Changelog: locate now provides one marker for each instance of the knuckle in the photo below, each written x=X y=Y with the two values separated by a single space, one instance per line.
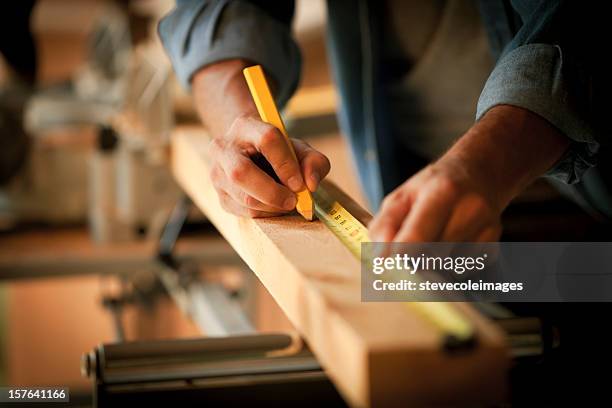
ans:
x=241 y=126
x=215 y=176
x=224 y=201
x=249 y=201
x=396 y=196
x=241 y=120
x=375 y=226
x=278 y=201
x=479 y=204
x=238 y=123
x=379 y=220
x=274 y=197
x=285 y=167
x=216 y=145
x=269 y=137
x=238 y=172
x=492 y=233
x=251 y=213
x=224 y=205
x=447 y=185
x=388 y=200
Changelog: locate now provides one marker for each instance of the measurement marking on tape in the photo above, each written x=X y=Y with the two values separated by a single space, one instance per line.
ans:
x=341 y=222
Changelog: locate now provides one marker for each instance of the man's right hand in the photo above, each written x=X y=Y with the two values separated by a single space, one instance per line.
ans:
x=226 y=107
x=243 y=187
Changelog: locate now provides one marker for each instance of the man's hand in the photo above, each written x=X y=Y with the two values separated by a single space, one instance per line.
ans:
x=226 y=107
x=245 y=189
x=437 y=204
x=461 y=196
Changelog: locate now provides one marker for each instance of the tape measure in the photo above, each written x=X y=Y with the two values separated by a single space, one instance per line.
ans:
x=457 y=331
x=341 y=222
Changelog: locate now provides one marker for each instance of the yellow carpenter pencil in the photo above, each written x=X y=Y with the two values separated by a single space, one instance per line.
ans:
x=269 y=113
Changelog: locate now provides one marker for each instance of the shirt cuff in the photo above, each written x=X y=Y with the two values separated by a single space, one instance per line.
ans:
x=533 y=77
x=198 y=35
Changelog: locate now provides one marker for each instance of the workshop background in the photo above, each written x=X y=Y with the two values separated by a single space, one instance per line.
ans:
x=81 y=215
x=80 y=218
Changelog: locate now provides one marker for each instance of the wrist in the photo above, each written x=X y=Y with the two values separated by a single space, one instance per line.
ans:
x=504 y=152
x=221 y=95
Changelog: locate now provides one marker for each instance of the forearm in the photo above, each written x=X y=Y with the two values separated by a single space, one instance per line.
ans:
x=221 y=95
x=461 y=196
x=506 y=150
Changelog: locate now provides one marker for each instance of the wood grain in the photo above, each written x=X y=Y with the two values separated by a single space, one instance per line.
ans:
x=377 y=354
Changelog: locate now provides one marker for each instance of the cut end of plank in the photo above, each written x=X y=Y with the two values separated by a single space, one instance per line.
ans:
x=305 y=205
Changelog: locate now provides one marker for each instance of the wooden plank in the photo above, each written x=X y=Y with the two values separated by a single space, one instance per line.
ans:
x=377 y=354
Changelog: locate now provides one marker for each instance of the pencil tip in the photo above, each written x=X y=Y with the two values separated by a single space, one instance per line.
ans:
x=308 y=215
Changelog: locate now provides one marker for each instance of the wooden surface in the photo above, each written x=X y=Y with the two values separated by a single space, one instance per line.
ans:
x=377 y=354
x=69 y=251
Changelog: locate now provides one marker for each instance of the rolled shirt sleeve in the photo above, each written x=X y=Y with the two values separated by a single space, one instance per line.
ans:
x=551 y=64
x=199 y=33
x=533 y=77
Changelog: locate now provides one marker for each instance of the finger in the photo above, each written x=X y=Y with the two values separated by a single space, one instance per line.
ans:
x=469 y=217
x=395 y=207
x=222 y=185
x=429 y=213
x=273 y=145
x=245 y=200
x=231 y=206
x=245 y=174
x=489 y=234
x=314 y=164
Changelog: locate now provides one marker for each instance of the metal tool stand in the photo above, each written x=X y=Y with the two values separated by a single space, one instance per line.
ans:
x=210 y=306
x=231 y=371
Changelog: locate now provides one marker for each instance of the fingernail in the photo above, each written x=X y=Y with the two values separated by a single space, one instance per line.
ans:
x=315 y=178
x=290 y=203
x=295 y=183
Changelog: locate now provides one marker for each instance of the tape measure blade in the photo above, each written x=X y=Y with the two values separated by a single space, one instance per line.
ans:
x=352 y=233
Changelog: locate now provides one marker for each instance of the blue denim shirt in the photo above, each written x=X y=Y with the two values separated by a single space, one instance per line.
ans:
x=542 y=65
